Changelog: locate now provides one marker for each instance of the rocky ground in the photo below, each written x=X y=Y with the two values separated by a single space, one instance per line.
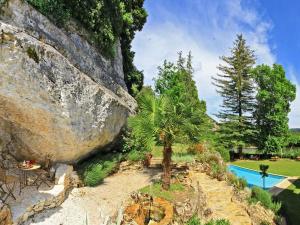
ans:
x=94 y=203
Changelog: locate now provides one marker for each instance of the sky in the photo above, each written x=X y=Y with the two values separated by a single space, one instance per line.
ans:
x=208 y=28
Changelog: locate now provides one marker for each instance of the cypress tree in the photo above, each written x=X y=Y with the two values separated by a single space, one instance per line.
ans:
x=236 y=86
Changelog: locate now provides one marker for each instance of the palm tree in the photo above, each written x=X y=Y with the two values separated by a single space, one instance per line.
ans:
x=264 y=173
x=160 y=118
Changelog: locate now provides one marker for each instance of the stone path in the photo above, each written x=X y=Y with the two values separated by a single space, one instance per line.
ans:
x=88 y=202
x=278 y=188
x=219 y=199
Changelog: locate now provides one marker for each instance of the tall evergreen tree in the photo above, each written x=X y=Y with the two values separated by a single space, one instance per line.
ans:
x=236 y=87
x=274 y=94
x=176 y=81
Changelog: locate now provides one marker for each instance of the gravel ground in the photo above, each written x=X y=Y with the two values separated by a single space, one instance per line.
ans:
x=89 y=203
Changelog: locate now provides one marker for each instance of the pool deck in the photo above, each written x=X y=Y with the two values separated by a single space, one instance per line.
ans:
x=282 y=185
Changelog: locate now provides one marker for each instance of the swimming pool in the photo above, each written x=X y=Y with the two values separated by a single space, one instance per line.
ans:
x=253 y=177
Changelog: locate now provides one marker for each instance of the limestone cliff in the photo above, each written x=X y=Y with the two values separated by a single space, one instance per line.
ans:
x=58 y=95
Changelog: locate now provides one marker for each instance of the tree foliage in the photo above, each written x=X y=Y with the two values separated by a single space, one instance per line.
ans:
x=274 y=95
x=235 y=85
x=107 y=21
x=173 y=113
x=176 y=81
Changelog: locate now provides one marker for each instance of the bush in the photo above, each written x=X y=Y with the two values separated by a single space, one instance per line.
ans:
x=265 y=198
x=194 y=220
x=94 y=170
x=237 y=182
x=217 y=168
x=55 y=9
x=197 y=148
x=218 y=222
x=224 y=153
x=136 y=156
x=134 y=147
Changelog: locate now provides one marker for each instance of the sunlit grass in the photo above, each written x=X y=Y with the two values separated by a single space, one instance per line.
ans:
x=156 y=190
x=286 y=167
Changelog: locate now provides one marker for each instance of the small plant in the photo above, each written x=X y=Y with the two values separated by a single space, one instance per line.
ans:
x=265 y=198
x=197 y=149
x=194 y=220
x=94 y=170
x=238 y=183
x=31 y=52
x=218 y=222
x=265 y=223
x=263 y=173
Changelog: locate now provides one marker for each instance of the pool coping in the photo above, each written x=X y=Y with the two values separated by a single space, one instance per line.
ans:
x=281 y=186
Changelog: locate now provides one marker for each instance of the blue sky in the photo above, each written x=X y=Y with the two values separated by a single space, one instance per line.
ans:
x=208 y=28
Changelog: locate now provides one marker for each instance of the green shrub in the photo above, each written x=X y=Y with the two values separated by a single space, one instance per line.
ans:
x=265 y=198
x=237 y=182
x=224 y=153
x=55 y=9
x=134 y=146
x=136 y=156
x=31 y=52
x=218 y=222
x=265 y=223
x=94 y=170
x=198 y=148
x=194 y=220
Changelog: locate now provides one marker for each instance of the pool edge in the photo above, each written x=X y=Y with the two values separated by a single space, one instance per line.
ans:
x=228 y=164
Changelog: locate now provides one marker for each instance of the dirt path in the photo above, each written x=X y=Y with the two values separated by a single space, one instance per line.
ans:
x=87 y=202
x=219 y=198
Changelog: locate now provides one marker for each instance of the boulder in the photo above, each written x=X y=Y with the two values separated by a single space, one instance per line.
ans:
x=58 y=95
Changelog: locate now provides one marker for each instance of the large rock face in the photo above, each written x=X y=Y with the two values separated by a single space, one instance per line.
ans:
x=58 y=95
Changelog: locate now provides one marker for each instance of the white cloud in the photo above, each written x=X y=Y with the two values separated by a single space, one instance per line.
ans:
x=209 y=33
x=294 y=115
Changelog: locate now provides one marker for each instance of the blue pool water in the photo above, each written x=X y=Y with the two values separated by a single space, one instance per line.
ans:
x=253 y=177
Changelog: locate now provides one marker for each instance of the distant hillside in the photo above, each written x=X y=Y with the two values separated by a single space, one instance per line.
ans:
x=295 y=130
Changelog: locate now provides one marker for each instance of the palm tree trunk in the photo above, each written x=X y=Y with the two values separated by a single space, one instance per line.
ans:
x=167 y=154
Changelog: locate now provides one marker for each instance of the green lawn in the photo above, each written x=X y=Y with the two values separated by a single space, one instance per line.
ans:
x=290 y=199
x=284 y=167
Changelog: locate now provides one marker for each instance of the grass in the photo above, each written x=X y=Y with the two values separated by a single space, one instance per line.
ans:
x=180 y=153
x=290 y=199
x=95 y=169
x=177 y=149
x=286 y=167
x=156 y=190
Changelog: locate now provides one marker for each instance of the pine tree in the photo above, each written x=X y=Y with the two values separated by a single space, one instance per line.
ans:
x=236 y=87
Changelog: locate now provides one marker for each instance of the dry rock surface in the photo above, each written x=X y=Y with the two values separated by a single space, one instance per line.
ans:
x=95 y=204
x=222 y=202
x=58 y=95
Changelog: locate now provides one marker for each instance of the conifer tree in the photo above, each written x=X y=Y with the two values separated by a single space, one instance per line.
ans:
x=236 y=86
